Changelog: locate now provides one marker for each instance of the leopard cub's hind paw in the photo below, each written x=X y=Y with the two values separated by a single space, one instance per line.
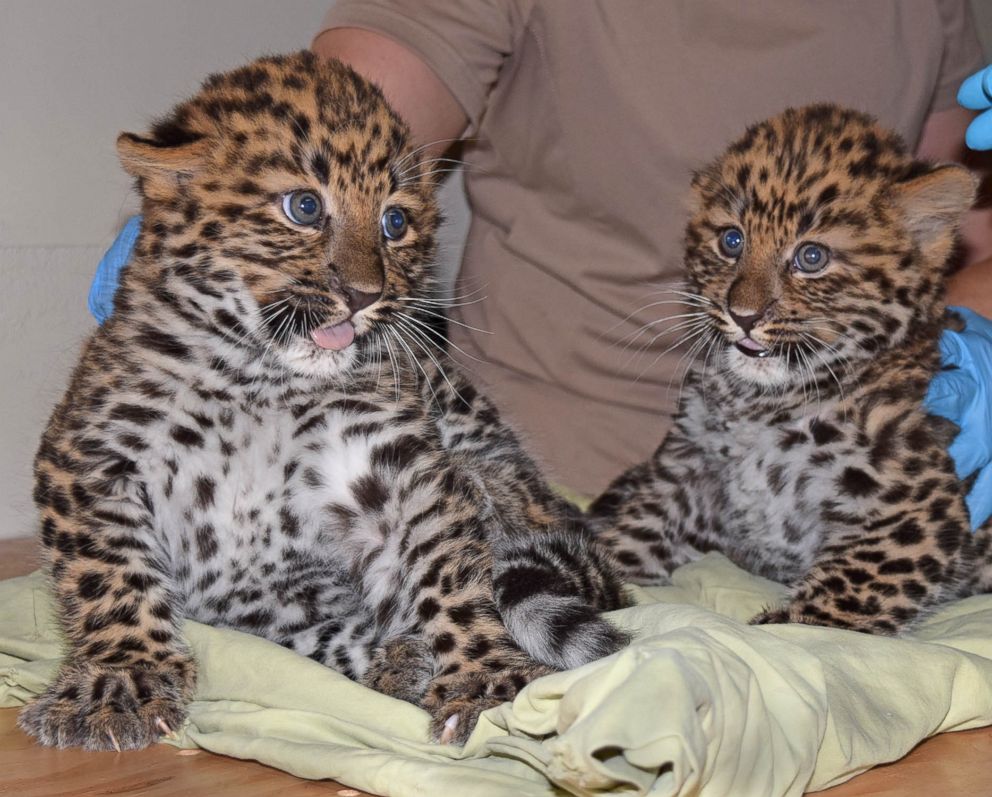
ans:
x=401 y=667
x=456 y=701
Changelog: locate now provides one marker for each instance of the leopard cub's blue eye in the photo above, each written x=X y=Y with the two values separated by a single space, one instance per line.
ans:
x=394 y=223
x=810 y=258
x=303 y=207
x=731 y=242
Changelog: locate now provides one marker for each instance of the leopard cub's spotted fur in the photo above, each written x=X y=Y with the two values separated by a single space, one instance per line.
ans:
x=259 y=438
x=816 y=254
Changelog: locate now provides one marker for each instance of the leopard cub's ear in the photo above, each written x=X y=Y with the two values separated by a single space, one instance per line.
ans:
x=933 y=202
x=160 y=168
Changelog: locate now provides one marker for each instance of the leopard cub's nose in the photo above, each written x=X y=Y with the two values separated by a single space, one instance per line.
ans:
x=359 y=300
x=745 y=319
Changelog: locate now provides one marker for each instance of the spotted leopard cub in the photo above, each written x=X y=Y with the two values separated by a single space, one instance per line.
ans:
x=260 y=437
x=816 y=256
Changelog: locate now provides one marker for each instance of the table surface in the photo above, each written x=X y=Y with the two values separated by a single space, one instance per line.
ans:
x=948 y=765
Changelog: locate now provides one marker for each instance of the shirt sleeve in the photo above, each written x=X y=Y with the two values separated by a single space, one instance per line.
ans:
x=962 y=51
x=464 y=42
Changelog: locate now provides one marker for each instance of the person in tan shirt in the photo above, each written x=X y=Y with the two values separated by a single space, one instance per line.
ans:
x=582 y=123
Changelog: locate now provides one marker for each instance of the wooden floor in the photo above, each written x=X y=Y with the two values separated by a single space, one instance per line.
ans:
x=950 y=765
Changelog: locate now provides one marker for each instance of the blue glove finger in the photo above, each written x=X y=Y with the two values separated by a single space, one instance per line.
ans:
x=964 y=395
x=972 y=449
x=108 y=273
x=975 y=322
x=950 y=395
x=976 y=91
x=979 y=500
x=978 y=136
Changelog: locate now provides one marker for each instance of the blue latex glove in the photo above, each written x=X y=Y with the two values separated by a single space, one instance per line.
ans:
x=976 y=94
x=964 y=395
x=108 y=273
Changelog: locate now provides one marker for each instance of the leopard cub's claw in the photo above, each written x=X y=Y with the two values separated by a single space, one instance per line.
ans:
x=450 y=729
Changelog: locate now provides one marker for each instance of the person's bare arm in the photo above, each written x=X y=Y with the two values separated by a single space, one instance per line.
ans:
x=412 y=88
x=943 y=140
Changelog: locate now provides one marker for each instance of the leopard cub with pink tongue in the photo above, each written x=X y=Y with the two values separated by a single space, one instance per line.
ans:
x=261 y=437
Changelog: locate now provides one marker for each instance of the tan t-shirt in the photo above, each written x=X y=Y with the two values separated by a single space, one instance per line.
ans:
x=587 y=119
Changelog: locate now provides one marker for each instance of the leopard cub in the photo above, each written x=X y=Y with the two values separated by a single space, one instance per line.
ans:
x=261 y=438
x=816 y=255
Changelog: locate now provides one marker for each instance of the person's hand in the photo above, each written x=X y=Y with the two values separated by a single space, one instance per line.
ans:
x=962 y=392
x=976 y=94
x=108 y=273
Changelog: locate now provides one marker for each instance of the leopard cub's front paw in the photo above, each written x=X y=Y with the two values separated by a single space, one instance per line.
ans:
x=105 y=708
x=771 y=617
x=795 y=612
x=805 y=613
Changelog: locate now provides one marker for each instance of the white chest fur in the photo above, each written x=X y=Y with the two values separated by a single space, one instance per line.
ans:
x=255 y=491
x=770 y=488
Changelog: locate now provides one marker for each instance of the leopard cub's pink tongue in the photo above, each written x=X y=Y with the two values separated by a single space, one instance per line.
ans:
x=750 y=345
x=337 y=337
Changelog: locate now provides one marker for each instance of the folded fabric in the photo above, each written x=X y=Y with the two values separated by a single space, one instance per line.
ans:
x=699 y=704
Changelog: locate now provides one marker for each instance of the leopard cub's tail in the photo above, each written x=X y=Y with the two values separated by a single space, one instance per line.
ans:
x=550 y=587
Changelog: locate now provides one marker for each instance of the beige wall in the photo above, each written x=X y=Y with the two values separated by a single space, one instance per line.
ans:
x=72 y=75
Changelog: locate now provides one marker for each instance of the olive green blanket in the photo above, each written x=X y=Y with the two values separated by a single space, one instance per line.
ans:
x=699 y=704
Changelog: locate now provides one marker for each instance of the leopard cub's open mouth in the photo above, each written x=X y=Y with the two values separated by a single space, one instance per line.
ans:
x=751 y=348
